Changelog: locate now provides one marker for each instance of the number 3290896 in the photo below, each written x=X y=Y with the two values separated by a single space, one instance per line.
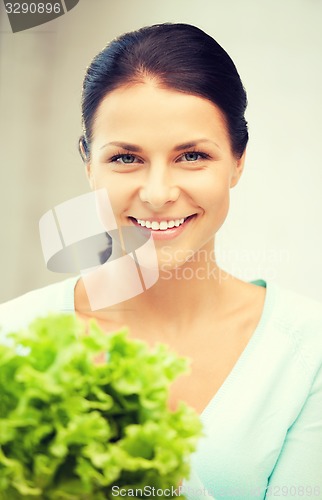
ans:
x=33 y=8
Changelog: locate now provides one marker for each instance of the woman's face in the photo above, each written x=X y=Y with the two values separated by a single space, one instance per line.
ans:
x=165 y=160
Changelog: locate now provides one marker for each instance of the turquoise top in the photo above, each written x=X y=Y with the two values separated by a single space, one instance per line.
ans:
x=263 y=428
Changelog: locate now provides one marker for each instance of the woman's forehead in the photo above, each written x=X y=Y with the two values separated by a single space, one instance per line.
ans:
x=145 y=110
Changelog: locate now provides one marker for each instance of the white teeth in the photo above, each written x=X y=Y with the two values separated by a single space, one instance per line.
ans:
x=160 y=226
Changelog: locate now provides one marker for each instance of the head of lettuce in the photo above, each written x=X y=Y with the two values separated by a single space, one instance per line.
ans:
x=72 y=428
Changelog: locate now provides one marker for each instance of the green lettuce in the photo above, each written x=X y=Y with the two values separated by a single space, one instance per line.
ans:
x=73 y=426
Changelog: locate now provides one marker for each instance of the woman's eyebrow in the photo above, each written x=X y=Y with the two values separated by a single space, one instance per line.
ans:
x=124 y=145
x=192 y=144
x=179 y=147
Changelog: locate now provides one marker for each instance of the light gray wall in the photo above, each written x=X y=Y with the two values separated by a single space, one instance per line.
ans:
x=274 y=227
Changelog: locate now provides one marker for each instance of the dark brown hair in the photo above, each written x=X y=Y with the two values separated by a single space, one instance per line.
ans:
x=181 y=57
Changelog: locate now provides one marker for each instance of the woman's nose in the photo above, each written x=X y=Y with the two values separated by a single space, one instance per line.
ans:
x=159 y=188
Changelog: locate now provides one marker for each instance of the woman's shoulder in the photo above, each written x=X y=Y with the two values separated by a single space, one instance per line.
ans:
x=19 y=312
x=300 y=318
x=297 y=310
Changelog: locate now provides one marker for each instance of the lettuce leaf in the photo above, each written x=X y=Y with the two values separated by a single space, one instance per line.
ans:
x=72 y=428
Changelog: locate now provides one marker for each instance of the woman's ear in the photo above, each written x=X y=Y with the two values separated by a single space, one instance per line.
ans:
x=83 y=150
x=237 y=170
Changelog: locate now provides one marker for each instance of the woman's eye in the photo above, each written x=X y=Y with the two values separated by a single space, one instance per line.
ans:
x=125 y=159
x=191 y=156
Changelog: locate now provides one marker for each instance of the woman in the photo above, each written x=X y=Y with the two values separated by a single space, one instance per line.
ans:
x=165 y=137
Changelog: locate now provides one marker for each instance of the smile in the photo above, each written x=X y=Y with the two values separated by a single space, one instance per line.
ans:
x=163 y=229
x=161 y=225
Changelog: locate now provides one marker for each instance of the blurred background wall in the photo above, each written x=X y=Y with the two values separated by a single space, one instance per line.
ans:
x=274 y=227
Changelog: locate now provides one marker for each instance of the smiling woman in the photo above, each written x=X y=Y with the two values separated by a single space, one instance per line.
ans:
x=176 y=182
x=165 y=137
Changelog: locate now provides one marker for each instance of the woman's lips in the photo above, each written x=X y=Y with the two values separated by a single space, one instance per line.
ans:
x=165 y=234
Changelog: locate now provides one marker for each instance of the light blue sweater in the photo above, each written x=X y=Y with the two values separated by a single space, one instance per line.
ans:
x=263 y=428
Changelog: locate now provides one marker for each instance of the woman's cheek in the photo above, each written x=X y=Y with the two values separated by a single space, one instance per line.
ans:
x=115 y=191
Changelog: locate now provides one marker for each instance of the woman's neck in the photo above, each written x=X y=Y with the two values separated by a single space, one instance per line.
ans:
x=178 y=300
x=183 y=293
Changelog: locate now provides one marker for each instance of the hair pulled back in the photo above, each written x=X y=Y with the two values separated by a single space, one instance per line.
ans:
x=180 y=57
